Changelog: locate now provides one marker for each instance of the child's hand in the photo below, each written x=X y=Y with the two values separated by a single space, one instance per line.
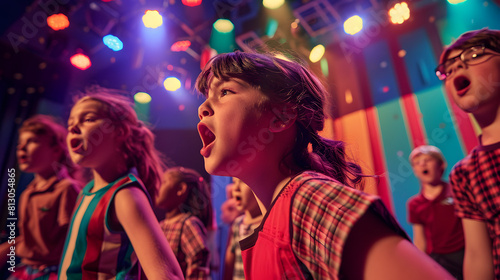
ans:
x=229 y=211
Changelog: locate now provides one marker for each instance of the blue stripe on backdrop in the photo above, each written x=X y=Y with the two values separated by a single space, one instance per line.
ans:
x=435 y=114
x=381 y=73
x=396 y=147
x=394 y=134
x=419 y=60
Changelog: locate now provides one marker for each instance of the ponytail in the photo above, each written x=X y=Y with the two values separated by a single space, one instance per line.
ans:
x=327 y=157
x=332 y=161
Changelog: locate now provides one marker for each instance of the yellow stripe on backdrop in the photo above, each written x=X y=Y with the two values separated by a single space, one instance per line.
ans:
x=353 y=130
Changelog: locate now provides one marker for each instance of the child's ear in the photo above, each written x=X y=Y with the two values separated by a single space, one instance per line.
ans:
x=283 y=118
x=121 y=132
x=182 y=189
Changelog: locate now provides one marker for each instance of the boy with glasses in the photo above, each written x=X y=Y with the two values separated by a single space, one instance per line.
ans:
x=470 y=70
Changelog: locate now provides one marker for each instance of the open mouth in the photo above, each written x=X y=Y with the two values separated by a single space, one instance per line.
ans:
x=207 y=136
x=425 y=172
x=461 y=83
x=76 y=144
x=22 y=159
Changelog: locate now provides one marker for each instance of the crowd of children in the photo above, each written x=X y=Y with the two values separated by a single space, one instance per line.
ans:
x=296 y=209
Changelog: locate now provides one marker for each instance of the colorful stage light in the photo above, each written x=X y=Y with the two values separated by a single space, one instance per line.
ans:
x=180 y=46
x=172 y=84
x=191 y=3
x=223 y=25
x=317 y=53
x=142 y=97
x=152 y=19
x=456 y=1
x=206 y=55
x=271 y=27
x=112 y=42
x=222 y=38
x=58 y=21
x=80 y=61
x=399 y=13
x=353 y=25
x=273 y=4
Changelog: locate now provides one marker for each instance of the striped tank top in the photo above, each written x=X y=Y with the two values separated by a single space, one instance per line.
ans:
x=92 y=249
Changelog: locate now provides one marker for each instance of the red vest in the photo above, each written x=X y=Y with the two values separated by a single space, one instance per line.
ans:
x=272 y=257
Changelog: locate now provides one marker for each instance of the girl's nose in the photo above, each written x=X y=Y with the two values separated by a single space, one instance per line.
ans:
x=205 y=110
x=74 y=129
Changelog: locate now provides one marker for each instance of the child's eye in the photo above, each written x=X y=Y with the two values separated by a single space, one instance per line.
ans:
x=225 y=92
x=89 y=119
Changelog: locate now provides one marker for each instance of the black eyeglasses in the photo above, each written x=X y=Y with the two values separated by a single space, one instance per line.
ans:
x=471 y=56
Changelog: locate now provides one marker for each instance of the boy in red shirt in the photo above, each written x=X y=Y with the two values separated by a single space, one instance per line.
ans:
x=436 y=229
x=470 y=69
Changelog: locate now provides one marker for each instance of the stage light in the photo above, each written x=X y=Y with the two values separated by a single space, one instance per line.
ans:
x=222 y=38
x=353 y=25
x=273 y=4
x=223 y=25
x=191 y=3
x=180 y=46
x=80 y=61
x=324 y=67
x=271 y=27
x=172 y=84
x=348 y=96
x=317 y=53
x=152 y=19
x=112 y=42
x=456 y=1
x=58 y=21
x=399 y=13
x=142 y=97
x=206 y=55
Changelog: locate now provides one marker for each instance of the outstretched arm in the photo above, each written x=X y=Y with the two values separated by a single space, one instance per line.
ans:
x=136 y=216
x=374 y=251
x=478 y=260
x=419 y=237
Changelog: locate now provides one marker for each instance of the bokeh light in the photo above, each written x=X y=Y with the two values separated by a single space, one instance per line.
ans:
x=317 y=53
x=142 y=97
x=172 y=84
x=353 y=25
x=112 y=42
x=152 y=19
x=80 y=61
x=58 y=21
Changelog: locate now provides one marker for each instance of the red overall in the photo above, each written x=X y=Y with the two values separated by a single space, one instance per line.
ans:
x=274 y=249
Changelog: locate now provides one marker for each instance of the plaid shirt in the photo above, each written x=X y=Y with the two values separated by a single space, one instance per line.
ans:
x=187 y=238
x=323 y=213
x=240 y=231
x=476 y=187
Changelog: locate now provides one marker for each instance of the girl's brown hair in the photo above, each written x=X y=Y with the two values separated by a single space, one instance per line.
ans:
x=199 y=197
x=138 y=147
x=291 y=84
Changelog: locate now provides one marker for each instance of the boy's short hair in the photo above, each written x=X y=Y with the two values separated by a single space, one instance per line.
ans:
x=433 y=151
x=486 y=37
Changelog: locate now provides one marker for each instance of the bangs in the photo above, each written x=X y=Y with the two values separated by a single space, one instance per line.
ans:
x=249 y=67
